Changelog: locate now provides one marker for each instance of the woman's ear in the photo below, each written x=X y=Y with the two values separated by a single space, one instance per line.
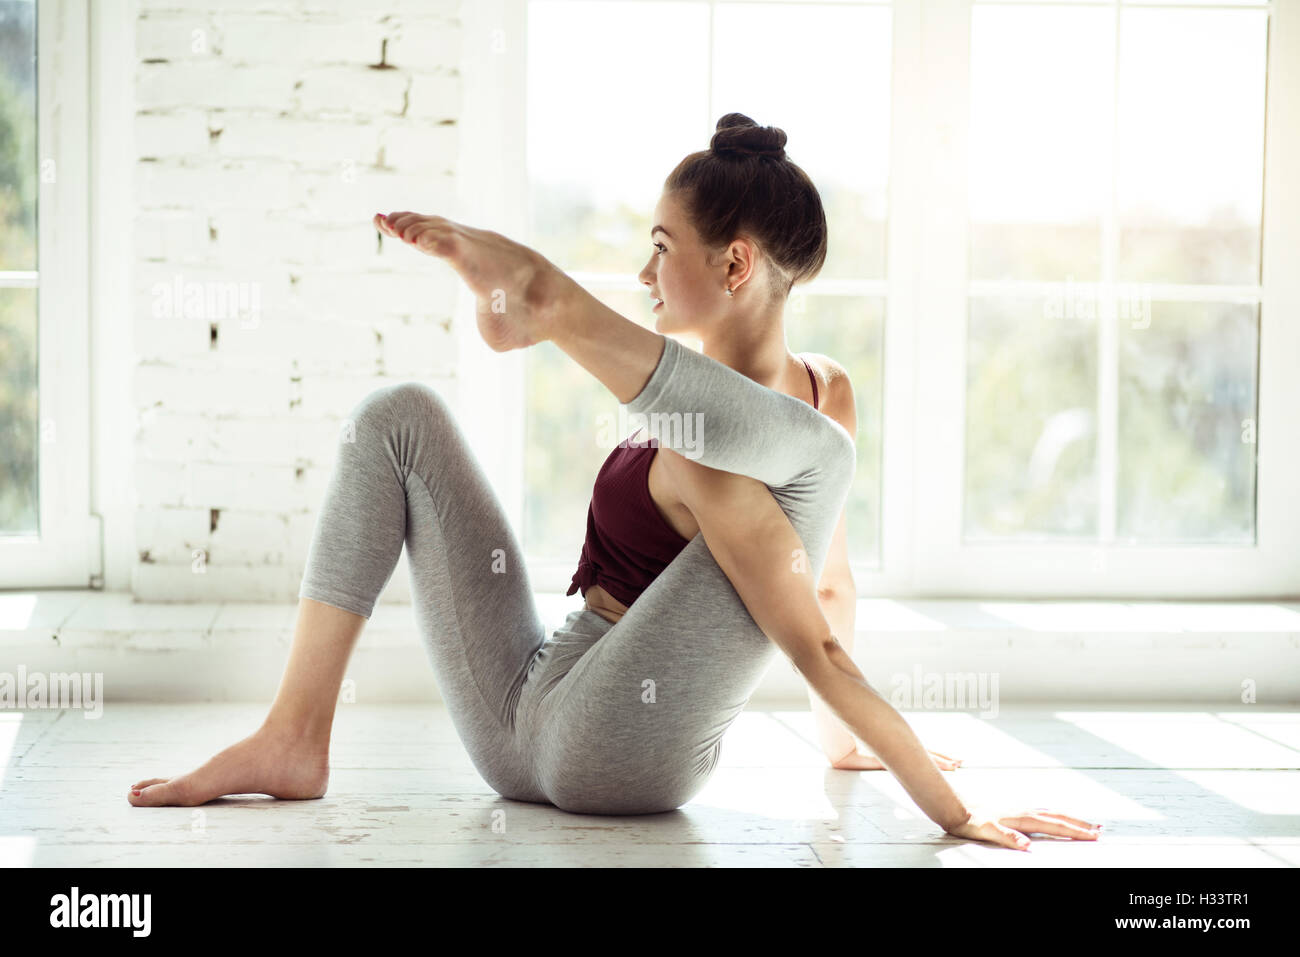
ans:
x=742 y=260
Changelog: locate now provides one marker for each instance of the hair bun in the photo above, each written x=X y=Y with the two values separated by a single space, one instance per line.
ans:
x=738 y=135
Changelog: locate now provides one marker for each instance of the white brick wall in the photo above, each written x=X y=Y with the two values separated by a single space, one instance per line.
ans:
x=267 y=133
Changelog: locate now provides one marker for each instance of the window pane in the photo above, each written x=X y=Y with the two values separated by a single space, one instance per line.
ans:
x=571 y=426
x=1031 y=450
x=1191 y=135
x=822 y=74
x=19 y=435
x=1187 y=424
x=1038 y=150
x=617 y=96
x=19 y=432
x=850 y=330
x=18 y=180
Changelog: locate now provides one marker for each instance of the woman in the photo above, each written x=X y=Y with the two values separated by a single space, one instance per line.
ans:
x=621 y=710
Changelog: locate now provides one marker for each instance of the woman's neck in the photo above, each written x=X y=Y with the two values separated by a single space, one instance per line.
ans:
x=762 y=354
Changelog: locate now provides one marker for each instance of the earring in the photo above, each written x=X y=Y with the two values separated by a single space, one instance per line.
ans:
x=729 y=292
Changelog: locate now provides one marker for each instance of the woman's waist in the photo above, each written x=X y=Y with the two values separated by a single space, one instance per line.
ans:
x=604 y=604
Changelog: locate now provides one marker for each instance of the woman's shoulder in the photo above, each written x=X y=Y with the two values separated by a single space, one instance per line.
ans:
x=835 y=390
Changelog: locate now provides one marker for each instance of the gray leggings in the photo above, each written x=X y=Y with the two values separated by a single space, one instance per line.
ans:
x=597 y=718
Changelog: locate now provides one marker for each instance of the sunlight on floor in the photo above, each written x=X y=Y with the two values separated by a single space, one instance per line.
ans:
x=10 y=723
x=14 y=851
x=17 y=851
x=1187 y=739
x=16 y=611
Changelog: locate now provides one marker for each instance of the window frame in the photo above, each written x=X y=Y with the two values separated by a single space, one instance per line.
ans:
x=926 y=293
x=1268 y=569
x=67 y=551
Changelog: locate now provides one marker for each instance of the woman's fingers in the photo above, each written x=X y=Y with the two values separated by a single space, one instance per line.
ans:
x=1066 y=817
x=1010 y=837
x=1056 y=825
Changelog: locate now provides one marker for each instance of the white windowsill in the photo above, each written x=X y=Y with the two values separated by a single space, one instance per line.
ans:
x=1040 y=650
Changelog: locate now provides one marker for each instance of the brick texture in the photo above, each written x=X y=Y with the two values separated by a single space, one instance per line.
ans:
x=267 y=134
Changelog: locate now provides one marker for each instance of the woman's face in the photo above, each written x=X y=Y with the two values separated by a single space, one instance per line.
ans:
x=679 y=272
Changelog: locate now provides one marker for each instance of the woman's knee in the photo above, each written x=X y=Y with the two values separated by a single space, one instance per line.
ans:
x=395 y=405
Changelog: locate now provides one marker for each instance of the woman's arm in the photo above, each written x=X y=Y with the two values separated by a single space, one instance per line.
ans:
x=837 y=599
x=755 y=545
x=753 y=542
x=523 y=298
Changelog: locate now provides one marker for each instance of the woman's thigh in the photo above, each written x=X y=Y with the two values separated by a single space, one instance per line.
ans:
x=632 y=723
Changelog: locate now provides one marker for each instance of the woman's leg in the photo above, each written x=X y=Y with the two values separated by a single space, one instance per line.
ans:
x=404 y=474
x=411 y=478
x=288 y=757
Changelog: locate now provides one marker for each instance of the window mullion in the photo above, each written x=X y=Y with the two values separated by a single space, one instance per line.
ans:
x=938 y=332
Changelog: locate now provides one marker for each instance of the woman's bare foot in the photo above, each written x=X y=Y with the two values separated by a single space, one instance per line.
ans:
x=265 y=762
x=858 y=761
x=514 y=286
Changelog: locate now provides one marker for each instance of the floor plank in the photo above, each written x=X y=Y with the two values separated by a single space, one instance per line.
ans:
x=1173 y=787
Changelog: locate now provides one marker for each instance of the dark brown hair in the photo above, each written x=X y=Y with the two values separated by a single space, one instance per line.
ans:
x=745 y=183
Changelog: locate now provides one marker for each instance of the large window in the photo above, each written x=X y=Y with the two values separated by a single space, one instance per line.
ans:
x=47 y=535
x=19 y=431
x=1062 y=270
x=1113 y=331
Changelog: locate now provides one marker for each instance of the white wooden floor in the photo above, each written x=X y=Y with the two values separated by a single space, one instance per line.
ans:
x=1173 y=787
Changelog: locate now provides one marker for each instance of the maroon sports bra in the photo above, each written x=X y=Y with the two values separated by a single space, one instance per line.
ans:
x=629 y=542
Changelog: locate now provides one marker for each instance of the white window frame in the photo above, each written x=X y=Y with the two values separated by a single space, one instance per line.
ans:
x=67 y=551
x=926 y=291
x=1268 y=569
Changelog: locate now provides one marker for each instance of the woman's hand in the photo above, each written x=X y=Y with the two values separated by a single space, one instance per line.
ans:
x=515 y=287
x=1012 y=830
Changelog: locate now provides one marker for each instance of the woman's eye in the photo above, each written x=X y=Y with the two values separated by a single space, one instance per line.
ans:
x=660 y=247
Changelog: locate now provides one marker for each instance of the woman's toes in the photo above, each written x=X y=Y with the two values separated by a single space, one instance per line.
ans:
x=164 y=793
